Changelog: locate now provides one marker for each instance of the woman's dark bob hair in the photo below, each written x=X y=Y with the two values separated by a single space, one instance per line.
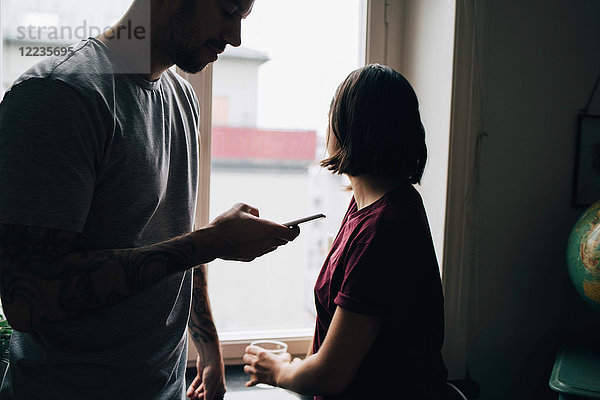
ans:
x=375 y=118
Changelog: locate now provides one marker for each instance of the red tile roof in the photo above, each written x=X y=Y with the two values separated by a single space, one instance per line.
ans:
x=252 y=143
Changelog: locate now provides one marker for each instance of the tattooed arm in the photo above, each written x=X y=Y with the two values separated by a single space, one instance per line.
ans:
x=202 y=327
x=43 y=279
x=210 y=379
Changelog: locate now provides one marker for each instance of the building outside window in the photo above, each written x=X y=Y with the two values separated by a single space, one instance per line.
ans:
x=269 y=114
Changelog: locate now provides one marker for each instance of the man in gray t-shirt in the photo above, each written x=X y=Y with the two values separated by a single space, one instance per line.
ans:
x=98 y=189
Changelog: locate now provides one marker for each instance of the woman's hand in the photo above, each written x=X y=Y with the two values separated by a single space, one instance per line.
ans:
x=330 y=370
x=265 y=367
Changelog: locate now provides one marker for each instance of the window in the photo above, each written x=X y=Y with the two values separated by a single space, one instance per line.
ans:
x=415 y=38
x=270 y=99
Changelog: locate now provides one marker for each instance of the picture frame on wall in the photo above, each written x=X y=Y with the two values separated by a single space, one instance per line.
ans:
x=586 y=188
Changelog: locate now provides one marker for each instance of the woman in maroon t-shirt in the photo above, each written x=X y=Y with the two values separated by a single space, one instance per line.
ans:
x=380 y=318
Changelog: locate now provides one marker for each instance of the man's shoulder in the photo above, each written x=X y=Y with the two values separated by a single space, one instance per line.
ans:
x=183 y=90
x=85 y=69
x=180 y=82
x=177 y=79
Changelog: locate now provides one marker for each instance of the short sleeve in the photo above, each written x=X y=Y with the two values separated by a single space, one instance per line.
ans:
x=48 y=155
x=387 y=275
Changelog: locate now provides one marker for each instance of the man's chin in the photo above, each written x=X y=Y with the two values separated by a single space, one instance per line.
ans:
x=191 y=68
x=191 y=65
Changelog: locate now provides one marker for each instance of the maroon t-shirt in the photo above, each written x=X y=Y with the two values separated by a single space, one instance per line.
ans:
x=382 y=263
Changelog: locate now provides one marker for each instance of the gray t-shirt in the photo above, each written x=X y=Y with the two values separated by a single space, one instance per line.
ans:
x=115 y=158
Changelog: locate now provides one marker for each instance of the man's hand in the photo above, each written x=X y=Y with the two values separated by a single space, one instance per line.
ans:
x=243 y=236
x=45 y=278
x=209 y=383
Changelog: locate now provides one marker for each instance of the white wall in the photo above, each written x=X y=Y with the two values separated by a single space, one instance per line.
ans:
x=427 y=63
x=236 y=79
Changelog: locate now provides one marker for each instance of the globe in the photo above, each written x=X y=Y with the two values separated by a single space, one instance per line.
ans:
x=583 y=256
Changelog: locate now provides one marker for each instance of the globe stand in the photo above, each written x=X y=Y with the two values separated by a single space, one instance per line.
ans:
x=576 y=372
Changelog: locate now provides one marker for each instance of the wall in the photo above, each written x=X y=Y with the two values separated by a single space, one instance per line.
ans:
x=427 y=63
x=540 y=60
x=237 y=76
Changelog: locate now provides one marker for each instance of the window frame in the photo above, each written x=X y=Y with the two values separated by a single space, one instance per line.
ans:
x=298 y=340
x=383 y=34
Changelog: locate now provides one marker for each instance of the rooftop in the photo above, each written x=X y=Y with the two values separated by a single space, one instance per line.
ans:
x=236 y=147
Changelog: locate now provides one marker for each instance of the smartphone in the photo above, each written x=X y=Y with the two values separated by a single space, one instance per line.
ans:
x=303 y=220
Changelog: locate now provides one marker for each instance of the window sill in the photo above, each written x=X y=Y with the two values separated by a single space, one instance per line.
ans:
x=233 y=344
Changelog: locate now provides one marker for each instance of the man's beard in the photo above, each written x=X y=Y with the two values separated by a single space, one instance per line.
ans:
x=186 y=58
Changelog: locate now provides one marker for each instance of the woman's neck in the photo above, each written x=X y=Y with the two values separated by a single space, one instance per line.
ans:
x=368 y=189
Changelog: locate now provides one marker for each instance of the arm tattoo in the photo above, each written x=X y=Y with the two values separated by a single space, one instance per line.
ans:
x=201 y=325
x=42 y=277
